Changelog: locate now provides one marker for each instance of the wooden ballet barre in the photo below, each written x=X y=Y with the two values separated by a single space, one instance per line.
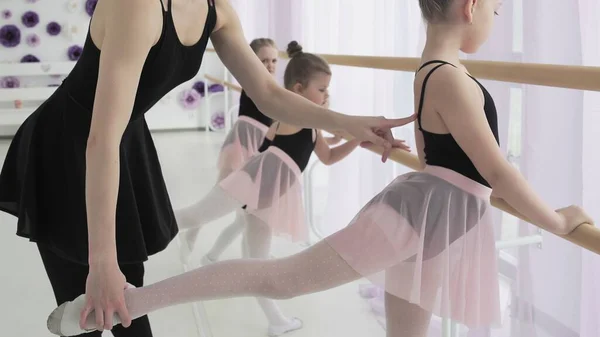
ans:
x=224 y=83
x=585 y=236
x=550 y=75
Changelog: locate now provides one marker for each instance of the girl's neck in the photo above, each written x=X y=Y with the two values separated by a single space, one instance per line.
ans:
x=443 y=43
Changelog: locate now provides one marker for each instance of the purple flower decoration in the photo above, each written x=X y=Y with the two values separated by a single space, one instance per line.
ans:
x=6 y=14
x=190 y=99
x=30 y=19
x=33 y=40
x=9 y=82
x=199 y=87
x=53 y=28
x=10 y=36
x=74 y=52
x=217 y=120
x=29 y=59
x=215 y=88
x=90 y=6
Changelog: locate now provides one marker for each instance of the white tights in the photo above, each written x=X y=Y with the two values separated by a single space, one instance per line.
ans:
x=227 y=236
x=257 y=245
x=257 y=239
x=214 y=205
x=315 y=269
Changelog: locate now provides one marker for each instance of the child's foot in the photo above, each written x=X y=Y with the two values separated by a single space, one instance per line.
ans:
x=187 y=246
x=278 y=330
x=206 y=260
x=64 y=320
x=369 y=291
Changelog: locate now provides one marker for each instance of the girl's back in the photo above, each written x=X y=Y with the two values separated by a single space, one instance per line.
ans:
x=436 y=145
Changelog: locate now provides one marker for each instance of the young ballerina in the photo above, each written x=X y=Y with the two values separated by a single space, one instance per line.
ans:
x=427 y=238
x=250 y=134
x=249 y=131
x=233 y=230
x=268 y=186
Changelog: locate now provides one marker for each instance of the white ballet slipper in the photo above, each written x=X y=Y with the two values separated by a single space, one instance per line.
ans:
x=64 y=320
x=278 y=330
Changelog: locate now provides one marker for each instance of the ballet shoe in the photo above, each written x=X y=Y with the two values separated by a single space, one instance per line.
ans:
x=278 y=330
x=185 y=250
x=206 y=260
x=369 y=291
x=64 y=320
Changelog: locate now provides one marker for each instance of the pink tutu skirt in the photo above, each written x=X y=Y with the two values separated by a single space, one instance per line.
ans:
x=428 y=238
x=241 y=143
x=270 y=186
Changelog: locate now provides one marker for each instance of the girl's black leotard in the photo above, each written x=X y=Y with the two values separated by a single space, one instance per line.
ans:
x=442 y=149
x=249 y=109
x=299 y=146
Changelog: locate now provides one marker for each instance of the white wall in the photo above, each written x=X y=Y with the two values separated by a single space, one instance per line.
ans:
x=74 y=20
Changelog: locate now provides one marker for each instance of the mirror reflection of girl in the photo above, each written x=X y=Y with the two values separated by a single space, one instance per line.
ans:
x=251 y=133
x=267 y=189
x=232 y=231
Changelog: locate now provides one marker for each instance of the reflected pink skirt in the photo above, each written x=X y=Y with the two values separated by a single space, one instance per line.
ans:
x=241 y=143
x=428 y=238
x=270 y=185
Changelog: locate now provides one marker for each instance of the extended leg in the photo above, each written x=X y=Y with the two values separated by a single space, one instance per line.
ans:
x=315 y=269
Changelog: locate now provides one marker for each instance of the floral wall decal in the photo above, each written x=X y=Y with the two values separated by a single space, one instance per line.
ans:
x=40 y=33
x=29 y=59
x=90 y=6
x=199 y=87
x=215 y=88
x=9 y=82
x=30 y=19
x=32 y=24
x=74 y=52
x=217 y=120
x=53 y=28
x=10 y=36
x=33 y=40
x=72 y=31
x=190 y=99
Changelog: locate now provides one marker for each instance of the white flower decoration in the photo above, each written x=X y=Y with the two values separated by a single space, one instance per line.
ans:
x=72 y=6
x=72 y=31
